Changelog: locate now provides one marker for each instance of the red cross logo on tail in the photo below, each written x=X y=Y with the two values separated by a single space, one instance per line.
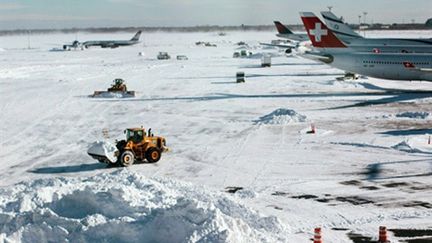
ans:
x=319 y=34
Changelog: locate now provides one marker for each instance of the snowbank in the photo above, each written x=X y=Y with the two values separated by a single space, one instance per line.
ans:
x=281 y=117
x=418 y=144
x=122 y=206
x=410 y=115
x=414 y=115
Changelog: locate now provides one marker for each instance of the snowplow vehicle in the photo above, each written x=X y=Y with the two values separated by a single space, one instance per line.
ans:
x=118 y=87
x=139 y=146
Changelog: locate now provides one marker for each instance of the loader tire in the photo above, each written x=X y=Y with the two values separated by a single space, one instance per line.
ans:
x=153 y=155
x=127 y=158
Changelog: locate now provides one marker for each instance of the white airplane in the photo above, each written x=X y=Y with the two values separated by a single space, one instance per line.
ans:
x=104 y=43
x=394 y=66
x=286 y=33
x=356 y=41
x=342 y=30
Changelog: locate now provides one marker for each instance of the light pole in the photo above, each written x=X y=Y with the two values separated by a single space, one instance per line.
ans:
x=364 y=21
x=28 y=39
x=359 y=21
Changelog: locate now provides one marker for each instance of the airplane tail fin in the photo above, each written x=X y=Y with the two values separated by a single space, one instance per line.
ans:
x=319 y=34
x=136 y=36
x=282 y=29
x=338 y=26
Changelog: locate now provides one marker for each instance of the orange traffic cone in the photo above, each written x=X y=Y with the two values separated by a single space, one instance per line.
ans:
x=317 y=235
x=313 y=131
x=383 y=235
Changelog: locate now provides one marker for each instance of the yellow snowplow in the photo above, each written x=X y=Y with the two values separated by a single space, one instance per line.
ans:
x=117 y=88
x=139 y=146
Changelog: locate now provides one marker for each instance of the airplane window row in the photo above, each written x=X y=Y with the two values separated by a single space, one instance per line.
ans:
x=399 y=63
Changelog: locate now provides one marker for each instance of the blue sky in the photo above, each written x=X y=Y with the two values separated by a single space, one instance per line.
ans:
x=119 y=13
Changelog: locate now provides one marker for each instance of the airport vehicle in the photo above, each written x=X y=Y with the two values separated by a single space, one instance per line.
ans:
x=104 y=43
x=266 y=61
x=393 y=66
x=356 y=41
x=75 y=45
x=240 y=77
x=138 y=146
x=202 y=43
x=118 y=87
x=163 y=56
x=182 y=57
x=242 y=54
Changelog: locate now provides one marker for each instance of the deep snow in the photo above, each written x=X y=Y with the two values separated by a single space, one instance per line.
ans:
x=369 y=164
x=123 y=206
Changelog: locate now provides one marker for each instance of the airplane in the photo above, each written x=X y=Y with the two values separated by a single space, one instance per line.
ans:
x=354 y=40
x=105 y=43
x=342 y=30
x=286 y=33
x=389 y=65
x=297 y=40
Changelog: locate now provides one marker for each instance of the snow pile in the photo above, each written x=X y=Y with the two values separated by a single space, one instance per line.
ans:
x=103 y=148
x=415 y=145
x=281 y=117
x=122 y=206
x=413 y=115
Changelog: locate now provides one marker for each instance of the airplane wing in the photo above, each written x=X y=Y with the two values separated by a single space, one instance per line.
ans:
x=279 y=45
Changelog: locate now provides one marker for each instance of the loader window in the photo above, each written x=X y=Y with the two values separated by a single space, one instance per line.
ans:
x=135 y=136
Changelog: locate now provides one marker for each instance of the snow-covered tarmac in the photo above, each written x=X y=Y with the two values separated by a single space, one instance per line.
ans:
x=368 y=164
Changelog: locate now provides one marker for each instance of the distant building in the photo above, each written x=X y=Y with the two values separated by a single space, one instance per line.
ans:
x=429 y=23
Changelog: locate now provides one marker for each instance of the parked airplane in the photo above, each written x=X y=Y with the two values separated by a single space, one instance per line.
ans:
x=104 y=43
x=394 y=66
x=286 y=33
x=356 y=41
x=342 y=30
x=298 y=40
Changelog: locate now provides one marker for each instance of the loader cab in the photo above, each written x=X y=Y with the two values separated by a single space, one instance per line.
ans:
x=135 y=135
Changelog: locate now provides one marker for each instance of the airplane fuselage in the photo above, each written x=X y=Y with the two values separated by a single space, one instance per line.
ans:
x=389 y=45
x=109 y=43
x=385 y=65
x=104 y=43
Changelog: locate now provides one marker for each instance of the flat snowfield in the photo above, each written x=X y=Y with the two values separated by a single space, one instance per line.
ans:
x=243 y=166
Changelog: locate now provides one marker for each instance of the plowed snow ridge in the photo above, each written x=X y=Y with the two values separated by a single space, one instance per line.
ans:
x=122 y=206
